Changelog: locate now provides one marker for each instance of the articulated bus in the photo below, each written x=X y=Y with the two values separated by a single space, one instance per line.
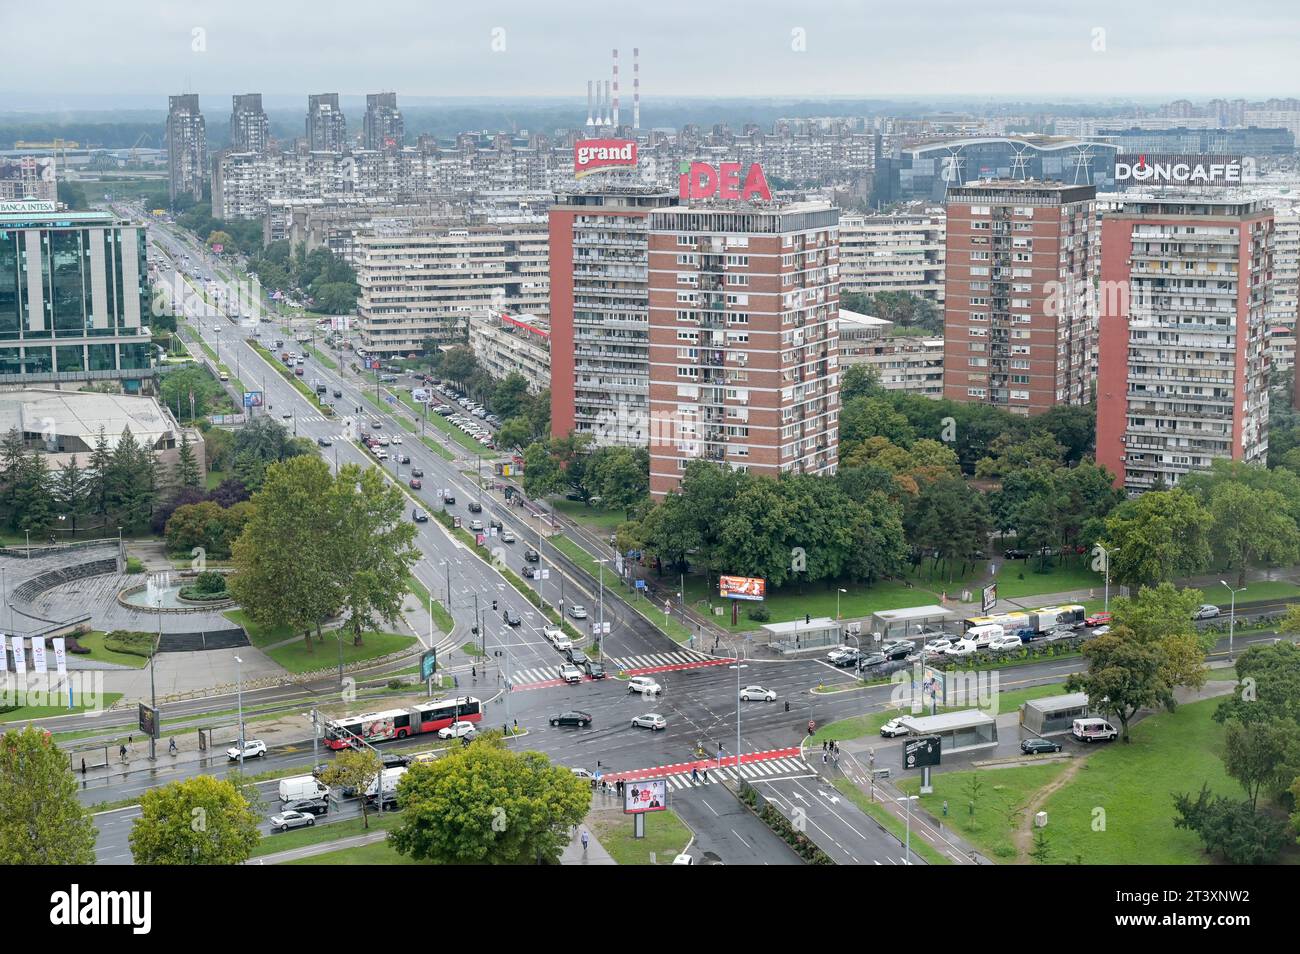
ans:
x=400 y=723
x=1039 y=620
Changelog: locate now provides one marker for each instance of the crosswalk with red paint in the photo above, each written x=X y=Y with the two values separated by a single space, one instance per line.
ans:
x=753 y=766
x=540 y=677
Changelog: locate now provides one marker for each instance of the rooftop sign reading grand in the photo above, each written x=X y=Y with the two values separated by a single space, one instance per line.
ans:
x=597 y=155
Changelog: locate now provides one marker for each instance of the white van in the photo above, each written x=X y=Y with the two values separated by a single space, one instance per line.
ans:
x=388 y=779
x=1093 y=730
x=983 y=636
x=302 y=786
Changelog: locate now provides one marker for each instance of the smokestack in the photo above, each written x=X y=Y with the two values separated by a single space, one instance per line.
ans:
x=608 y=100
x=615 y=88
x=636 y=88
x=590 y=120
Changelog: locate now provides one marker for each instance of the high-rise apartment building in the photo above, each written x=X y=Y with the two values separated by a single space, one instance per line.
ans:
x=1019 y=303
x=250 y=129
x=74 y=301
x=1183 y=371
x=327 y=128
x=744 y=339
x=424 y=285
x=1283 y=306
x=187 y=147
x=893 y=252
x=600 y=312
x=384 y=126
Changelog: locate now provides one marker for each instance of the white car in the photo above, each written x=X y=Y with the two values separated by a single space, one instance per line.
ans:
x=507 y=536
x=396 y=439
x=384 y=441
x=570 y=673
x=1206 y=611
x=582 y=773
x=963 y=647
x=939 y=646
x=684 y=859
x=650 y=720
x=557 y=637
x=577 y=611
x=286 y=820
x=893 y=728
x=1001 y=644
x=458 y=729
x=643 y=685
x=838 y=653
x=253 y=748
x=760 y=693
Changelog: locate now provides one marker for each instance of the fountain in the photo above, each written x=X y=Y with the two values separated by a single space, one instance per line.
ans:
x=161 y=592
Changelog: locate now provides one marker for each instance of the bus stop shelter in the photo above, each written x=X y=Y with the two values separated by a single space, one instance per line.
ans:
x=1054 y=715
x=957 y=731
x=909 y=622
x=799 y=635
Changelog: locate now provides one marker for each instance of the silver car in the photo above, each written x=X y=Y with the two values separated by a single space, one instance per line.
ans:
x=651 y=720
x=286 y=820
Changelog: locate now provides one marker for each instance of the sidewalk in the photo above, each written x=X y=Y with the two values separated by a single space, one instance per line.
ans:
x=595 y=853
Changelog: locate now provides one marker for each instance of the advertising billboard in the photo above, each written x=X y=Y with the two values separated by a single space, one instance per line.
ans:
x=988 y=598
x=601 y=155
x=742 y=587
x=253 y=399
x=148 y=720
x=1179 y=170
x=648 y=795
x=428 y=664
x=703 y=180
x=921 y=752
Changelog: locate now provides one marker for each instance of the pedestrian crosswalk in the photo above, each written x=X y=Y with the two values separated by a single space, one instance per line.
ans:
x=752 y=772
x=536 y=676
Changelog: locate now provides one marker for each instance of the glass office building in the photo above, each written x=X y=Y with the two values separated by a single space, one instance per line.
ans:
x=74 y=300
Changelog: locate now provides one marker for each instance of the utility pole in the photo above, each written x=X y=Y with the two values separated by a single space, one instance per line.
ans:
x=153 y=692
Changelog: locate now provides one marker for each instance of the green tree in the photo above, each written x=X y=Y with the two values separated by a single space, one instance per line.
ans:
x=200 y=820
x=1162 y=615
x=1261 y=755
x=1251 y=525
x=354 y=769
x=42 y=822
x=1162 y=535
x=488 y=805
x=71 y=491
x=187 y=465
x=1124 y=675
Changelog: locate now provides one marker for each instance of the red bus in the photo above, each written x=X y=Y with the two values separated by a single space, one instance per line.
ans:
x=400 y=723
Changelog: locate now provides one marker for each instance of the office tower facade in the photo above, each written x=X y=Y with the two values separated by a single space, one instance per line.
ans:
x=250 y=129
x=1183 y=371
x=1019 y=307
x=743 y=339
x=421 y=286
x=187 y=147
x=600 y=319
x=385 y=129
x=327 y=128
x=74 y=300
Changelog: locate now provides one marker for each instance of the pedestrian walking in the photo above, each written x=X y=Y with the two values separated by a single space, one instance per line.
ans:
x=825 y=756
x=836 y=758
x=945 y=808
x=584 y=841
x=121 y=752
x=695 y=773
x=824 y=744
x=83 y=766
x=706 y=775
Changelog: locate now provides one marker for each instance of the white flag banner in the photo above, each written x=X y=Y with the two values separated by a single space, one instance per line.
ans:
x=20 y=660
x=60 y=655
x=4 y=656
x=38 y=654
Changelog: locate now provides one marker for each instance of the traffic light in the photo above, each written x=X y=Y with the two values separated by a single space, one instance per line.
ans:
x=494 y=606
x=474 y=630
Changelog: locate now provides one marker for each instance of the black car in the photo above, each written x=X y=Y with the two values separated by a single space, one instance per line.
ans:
x=531 y=555
x=475 y=506
x=872 y=659
x=898 y=651
x=527 y=572
x=511 y=617
x=1037 y=746
x=309 y=806
x=323 y=442
x=576 y=656
x=847 y=659
x=449 y=498
x=1015 y=554
x=496 y=524
x=338 y=393
x=575 y=717
x=419 y=516
x=393 y=760
x=594 y=669
x=403 y=459
x=417 y=472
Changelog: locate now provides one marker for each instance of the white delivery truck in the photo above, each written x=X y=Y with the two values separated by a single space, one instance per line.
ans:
x=983 y=635
x=1093 y=730
x=387 y=783
x=302 y=786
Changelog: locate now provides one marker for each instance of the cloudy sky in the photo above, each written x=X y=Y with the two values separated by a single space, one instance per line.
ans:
x=508 y=48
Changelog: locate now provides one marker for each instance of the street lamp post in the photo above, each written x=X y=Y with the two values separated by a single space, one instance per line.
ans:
x=1107 y=553
x=239 y=690
x=153 y=691
x=739 y=665
x=908 y=800
x=1232 y=615
x=29 y=542
x=837 y=603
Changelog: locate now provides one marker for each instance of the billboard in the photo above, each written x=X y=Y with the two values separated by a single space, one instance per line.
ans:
x=921 y=752
x=600 y=155
x=252 y=399
x=648 y=795
x=988 y=598
x=1179 y=170
x=742 y=587
x=148 y=721
x=428 y=664
x=702 y=180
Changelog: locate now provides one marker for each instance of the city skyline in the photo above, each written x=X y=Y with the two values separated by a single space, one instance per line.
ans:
x=821 y=50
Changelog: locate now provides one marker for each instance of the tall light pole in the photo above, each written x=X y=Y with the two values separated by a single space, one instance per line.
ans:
x=1232 y=615
x=239 y=689
x=153 y=692
x=908 y=800
x=1106 y=553
x=738 y=665
x=29 y=542
x=838 y=592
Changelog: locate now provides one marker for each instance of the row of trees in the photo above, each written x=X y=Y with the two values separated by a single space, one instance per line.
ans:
x=617 y=478
x=906 y=310
x=326 y=282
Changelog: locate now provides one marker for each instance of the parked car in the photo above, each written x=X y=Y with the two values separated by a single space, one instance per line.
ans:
x=1097 y=619
x=1206 y=611
x=643 y=685
x=570 y=673
x=838 y=652
x=650 y=720
x=573 y=717
x=577 y=611
x=286 y=820
x=253 y=749
x=846 y=659
x=1015 y=554
x=757 y=693
x=899 y=650
x=1038 y=746
x=1093 y=730
x=871 y=660
x=458 y=730
x=893 y=728
x=309 y=806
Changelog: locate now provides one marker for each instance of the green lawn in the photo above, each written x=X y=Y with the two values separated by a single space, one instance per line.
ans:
x=379 y=853
x=666 y=836
x=596 y=518
x=322 y=357
x=26 y=713
x=319 y=833
x=295 y=657
x=1256 y=592
x=441 y=618
x=95 y=643
x=259 y=636
x=215 y=477
x=999 y=806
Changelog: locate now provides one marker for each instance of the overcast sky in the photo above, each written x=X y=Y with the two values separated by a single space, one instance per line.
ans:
x=1031 y=49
